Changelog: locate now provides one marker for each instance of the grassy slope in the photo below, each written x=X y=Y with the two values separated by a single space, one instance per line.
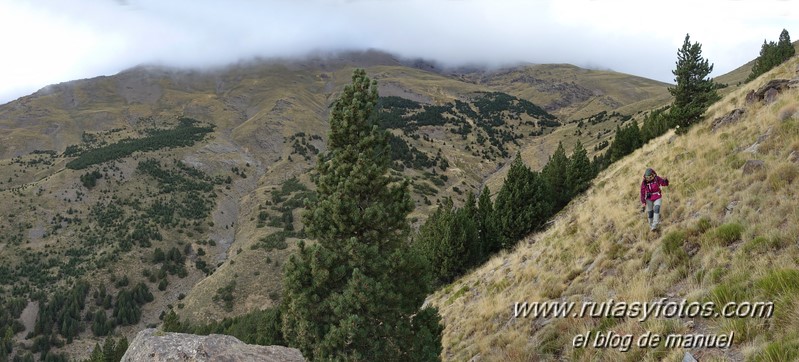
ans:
x=600 y=248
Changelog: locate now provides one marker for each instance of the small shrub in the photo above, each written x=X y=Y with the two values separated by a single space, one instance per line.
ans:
x=457 y=294
x=779 y=282
x=735 y=161
x=725 y=234
x=788 y=112
x=782 y=176
x=616 y=251
x=552 y=289
x=672 y=246
x=783 y=350
x=225 y=296
x=276 y=240
x=763 y=244
x=703 y=225
x=727 y=292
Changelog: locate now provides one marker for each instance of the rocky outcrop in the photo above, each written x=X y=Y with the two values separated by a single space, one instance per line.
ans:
x=154 y=345
x=768 y=93
x=730 y=118
x=752 y=166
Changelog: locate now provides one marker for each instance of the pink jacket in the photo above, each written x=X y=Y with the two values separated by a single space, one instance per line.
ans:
x=652 y=189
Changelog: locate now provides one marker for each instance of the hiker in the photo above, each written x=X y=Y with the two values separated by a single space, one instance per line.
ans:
x=651 y=196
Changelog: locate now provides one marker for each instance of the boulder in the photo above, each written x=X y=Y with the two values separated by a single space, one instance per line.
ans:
x=154 y=345
x=770 y=96
x=732 y=117
x=750 y=97
x=768 y=93
x=752 y=166
x=793 y=157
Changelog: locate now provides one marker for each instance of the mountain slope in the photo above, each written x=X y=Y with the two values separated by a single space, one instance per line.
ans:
x=103 y=180
x=729 y=234
x=571 y=92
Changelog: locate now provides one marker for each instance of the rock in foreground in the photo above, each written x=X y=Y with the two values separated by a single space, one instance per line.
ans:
x=154 y=345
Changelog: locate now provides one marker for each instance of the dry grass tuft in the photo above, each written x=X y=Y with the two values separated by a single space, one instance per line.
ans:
x=788 y=112
x=782 y=175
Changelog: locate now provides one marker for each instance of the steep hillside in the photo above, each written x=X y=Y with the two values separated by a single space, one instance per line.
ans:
x=158 y=189
x=729 y=235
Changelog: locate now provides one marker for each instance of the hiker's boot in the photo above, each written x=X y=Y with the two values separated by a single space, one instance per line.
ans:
x=655 y=221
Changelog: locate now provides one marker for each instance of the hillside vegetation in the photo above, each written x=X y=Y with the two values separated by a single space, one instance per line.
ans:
x=572 y=92
x=158 y=190
x=727 y=235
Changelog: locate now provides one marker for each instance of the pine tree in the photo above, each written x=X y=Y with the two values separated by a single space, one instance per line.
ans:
x=785 y=48
x=7 y=342
x=579 y=172
x=120 y=349
x=655 y=124
x=772 y=54
x=767 y=59
x=100 y=326
x=627 y=140
x=694 y=92
x=440 y=246
x=171 y=322
x=467 y=222
x=523 y=203
x=97 y=354
x=109 y=347
x=554 y=173
x=449 y=240
x=355 y=294
x=486 y=224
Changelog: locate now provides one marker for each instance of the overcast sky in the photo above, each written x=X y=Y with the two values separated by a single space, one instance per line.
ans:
x=46 y=42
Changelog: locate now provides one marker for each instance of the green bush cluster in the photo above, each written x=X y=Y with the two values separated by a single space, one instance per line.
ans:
x=185 y=134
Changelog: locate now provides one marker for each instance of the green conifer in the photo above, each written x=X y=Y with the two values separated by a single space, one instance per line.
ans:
x=355 y=294
x=579 y=172
x=523 y=203
x=694 y=92
x=486 y=224
x=554 y=173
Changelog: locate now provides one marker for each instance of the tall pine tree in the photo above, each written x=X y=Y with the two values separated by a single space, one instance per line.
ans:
x=772 y=54
x=579 y=173
x=554 y=173
x=694 y=92
x=785 y=47
x=448 y=240
x=486 y=224
x=467 y=220
x=355 y=295
x=523 y=203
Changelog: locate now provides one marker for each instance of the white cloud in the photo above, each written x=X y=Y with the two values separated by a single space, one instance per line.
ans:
x=50 y=41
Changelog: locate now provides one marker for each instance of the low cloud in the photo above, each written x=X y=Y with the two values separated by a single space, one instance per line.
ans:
x=57 y=41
